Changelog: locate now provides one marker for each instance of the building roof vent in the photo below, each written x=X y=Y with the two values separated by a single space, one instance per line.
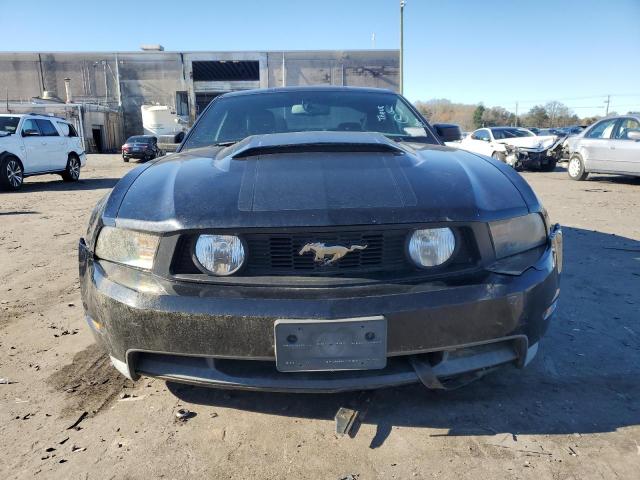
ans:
x=47 y=97
x=152 y=47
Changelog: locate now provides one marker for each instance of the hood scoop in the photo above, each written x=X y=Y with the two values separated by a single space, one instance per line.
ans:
x=305 y=142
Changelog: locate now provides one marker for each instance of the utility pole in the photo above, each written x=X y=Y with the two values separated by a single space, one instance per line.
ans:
x=373 y=40
x=284 y=72
x=607 y=101
x=516 y=114
x=402 y=4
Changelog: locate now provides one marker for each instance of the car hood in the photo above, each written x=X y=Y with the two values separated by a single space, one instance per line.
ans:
x=537 y=142
x=285 y=180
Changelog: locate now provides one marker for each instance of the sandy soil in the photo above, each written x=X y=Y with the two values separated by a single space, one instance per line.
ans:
x=574 y=414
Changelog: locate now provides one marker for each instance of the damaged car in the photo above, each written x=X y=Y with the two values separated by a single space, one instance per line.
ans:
x=319 y=239
x=518 y=147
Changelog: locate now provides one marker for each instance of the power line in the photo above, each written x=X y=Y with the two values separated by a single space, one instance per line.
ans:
x=586 y=97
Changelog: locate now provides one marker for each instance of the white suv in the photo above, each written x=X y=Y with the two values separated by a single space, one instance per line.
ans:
x=37 y=145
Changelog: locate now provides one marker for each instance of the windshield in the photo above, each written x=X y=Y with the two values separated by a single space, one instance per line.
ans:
x=230 y=119
x=8 y=125
x=139 y=139
x=502 y=133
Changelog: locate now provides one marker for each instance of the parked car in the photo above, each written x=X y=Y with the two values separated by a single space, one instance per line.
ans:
x=37 y=145
x=143 y=147
x=552 y=132
x=611 y=145
x=573 y=130
x=319 y=239
x=518 y=147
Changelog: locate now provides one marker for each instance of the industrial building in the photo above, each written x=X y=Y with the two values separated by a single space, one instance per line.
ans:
x=105 y=90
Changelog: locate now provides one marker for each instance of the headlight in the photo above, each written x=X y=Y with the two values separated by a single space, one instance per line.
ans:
x=128 y=247
x=220 y=254
x=518 y=234
x=431 y=247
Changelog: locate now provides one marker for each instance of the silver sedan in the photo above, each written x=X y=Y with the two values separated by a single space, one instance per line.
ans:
x=611 y=145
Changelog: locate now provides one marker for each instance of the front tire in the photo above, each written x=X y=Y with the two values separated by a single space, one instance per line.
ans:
x=575 y=169
x=72 y=172
x=11 y=174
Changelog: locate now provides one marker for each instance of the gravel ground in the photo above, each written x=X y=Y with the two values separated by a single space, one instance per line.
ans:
x=573 y=414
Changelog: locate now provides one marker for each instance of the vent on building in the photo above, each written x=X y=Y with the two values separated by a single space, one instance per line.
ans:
x=152 y=47
x=232 y=70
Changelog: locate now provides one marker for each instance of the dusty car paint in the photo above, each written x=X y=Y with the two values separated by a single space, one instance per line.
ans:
x=181 y=326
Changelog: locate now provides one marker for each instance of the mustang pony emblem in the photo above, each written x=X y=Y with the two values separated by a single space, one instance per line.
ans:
x=334 y=252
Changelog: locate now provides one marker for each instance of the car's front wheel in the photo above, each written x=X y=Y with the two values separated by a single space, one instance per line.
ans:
x=576 y=169
x=72 y=172
x=11 y=174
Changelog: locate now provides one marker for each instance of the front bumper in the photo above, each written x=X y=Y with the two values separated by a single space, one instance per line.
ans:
x=138 y=155
x=223 y=335
x=529 y=158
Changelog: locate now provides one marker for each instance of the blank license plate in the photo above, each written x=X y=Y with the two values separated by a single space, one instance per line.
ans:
x=349 y=344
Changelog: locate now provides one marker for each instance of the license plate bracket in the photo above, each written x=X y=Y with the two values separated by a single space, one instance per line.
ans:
x=330 y=345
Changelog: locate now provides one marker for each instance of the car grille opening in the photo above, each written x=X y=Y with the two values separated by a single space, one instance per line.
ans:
x=278 y=253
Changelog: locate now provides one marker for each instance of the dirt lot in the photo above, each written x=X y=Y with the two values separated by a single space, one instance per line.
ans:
x=574 y=414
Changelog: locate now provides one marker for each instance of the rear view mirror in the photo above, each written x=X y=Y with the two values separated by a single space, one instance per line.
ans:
x=30 y=133
x=448 y=132
x=308 y=108
x=633 y=135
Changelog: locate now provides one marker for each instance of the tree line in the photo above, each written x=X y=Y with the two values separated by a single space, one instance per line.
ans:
x=469 y=116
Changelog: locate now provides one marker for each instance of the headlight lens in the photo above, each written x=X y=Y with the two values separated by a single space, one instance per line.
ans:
x=128 y=247
x=518 y=234
x=431 y=247
x=220 y=254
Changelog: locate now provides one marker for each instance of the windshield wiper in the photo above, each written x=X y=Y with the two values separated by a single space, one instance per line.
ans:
x=225 y=144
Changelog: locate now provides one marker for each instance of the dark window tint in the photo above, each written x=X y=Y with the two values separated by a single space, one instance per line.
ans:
x=502 y=133
x=140 y=139
x=47 y=128
x=232 y=118
x=9 y=124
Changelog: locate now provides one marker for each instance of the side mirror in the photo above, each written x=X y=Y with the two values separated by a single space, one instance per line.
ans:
x=448 y=132
x=30 y=133
x=633 y=135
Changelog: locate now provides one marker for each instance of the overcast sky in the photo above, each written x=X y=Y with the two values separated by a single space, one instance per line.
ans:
x=496 y=52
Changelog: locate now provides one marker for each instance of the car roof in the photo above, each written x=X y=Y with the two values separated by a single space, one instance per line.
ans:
x=35 y=115
x=318 y=88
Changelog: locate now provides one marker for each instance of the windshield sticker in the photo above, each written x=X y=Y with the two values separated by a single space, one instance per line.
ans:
x=382 y=115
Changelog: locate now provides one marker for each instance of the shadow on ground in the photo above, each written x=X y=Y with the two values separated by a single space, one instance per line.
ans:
x=603 y=178
x=585 y=378
x=32 y=185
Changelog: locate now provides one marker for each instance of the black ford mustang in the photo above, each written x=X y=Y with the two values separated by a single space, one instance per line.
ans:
x=319 y=239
